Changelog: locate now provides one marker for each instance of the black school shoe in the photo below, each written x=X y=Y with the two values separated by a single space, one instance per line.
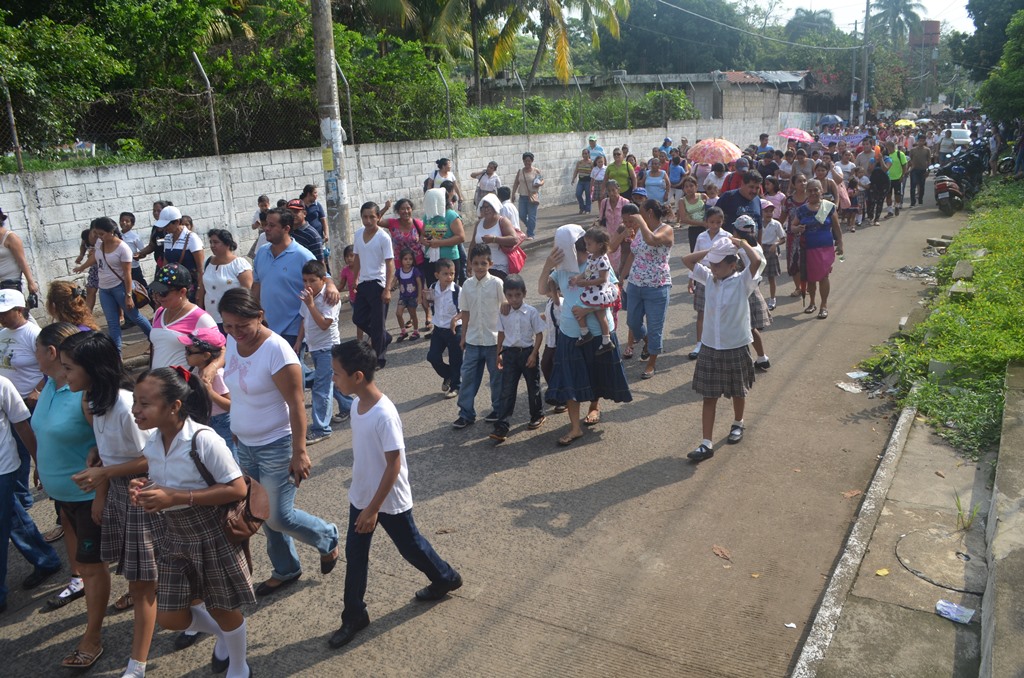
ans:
x=347 y=632
x=735 y=434
x=701 y=453
x=185 y=640
x=218 y=665
x=438 y=590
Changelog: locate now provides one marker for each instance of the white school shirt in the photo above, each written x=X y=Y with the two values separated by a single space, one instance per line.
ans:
x=374 y=433
x=510 y=212
x=373 y=255
x=482 y=299
x=552 y=311
x=177 y=469
x=12 y=411
x=726 y=308
x=746 y=260
x=520 y=326
x=705 y=241
x=317 y=339
x=118 y=439
x=259 y=413
x=773 y=233
x=134 y=242
x=444 y=305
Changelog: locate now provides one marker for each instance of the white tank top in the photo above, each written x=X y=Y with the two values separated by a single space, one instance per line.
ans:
x=499 y=259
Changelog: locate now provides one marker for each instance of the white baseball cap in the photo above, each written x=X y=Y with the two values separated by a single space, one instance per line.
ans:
x=167 y=215
x=721 y=249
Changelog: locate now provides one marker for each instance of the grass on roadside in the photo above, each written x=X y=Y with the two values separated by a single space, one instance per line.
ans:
x=976 y=337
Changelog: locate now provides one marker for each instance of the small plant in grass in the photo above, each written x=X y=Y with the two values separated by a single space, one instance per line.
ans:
x=964 y=519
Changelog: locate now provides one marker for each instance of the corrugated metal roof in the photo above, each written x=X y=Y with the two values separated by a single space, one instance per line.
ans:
x=742 y=78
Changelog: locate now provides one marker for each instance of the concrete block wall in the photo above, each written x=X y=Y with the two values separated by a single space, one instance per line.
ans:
x=50 y=209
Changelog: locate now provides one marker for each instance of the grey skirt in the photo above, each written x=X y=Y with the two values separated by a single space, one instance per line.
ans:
x=131 y=536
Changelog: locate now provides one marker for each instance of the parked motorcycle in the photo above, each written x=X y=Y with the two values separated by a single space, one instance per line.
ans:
x=961 y=178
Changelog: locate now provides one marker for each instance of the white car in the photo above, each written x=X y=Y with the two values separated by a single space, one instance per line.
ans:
x=961 y=137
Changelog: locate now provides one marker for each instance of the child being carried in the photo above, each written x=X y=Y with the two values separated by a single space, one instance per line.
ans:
x=599 y=293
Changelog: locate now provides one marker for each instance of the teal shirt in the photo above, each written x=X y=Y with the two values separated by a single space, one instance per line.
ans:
x=440 y=228
x=63 y=438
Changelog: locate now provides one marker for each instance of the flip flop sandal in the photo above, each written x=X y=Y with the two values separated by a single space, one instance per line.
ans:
x=810 y=309
x=81 y=660
x=590 y=420
x=644 y=355
x=822 y=314
x=628 y=353
x=795 y=293
x=566 y=441
x=123 y=603
x=647 y=375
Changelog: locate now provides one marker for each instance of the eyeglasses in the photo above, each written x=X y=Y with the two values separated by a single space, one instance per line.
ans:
x=194 y=351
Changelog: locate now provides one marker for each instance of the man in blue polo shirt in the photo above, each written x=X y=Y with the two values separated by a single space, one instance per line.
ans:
x=744 y=200
x=277 y=277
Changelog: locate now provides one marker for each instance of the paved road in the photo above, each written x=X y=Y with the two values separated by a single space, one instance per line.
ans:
x=594 y=560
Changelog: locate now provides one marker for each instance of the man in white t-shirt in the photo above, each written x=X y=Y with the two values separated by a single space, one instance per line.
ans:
x=374 y=271
x=379 y=492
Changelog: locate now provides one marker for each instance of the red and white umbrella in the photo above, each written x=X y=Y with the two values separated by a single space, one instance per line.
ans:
x=796 y=135
x=711 y=151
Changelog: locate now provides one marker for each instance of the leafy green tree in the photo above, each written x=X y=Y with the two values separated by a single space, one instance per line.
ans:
x=896 y=18
x=54 y=72
x=807 y=22
x=985 y=47
x=1002 y=94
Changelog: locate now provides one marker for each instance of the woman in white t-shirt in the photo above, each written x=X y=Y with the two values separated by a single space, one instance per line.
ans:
x=222 y=272
x=487 y=182
x=268 y=418
x=176 y=317
x=113 y=258
x=18 y=363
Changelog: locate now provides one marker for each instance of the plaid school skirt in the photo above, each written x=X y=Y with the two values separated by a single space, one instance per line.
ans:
x=774 y=267
x=760 y=316
x=698 y=297
x=728 y=372
x=131 y=536
x=581 y=375
x=197 y=561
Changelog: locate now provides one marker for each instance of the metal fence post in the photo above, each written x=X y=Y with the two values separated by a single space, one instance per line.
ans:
x=209 y=97
x=348 y=97
x=625 y=92
x=447 y=100
x=14 y=126
x=580 y=89
x=664 y=116
x=523 y=91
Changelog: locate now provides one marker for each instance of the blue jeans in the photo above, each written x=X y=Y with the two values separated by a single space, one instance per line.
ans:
x=112 y=301
x=583 y=195
x=528 y=215
x=650 y=303
x=22 y=489
x=443 y=339
x=413 y=546
x=323 y=389
x=307 y=374
x=221 y=423
x=473 y=360
x=269 y=464
x=917 y=177
x=16 y=526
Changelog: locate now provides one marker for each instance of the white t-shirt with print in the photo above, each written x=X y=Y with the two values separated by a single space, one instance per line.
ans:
x=259 y=413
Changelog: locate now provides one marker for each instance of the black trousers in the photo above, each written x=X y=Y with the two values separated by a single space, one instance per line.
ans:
x=513 y=367
x=370 y=314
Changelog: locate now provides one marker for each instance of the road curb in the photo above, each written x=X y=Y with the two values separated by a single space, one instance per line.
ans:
x=845 y=572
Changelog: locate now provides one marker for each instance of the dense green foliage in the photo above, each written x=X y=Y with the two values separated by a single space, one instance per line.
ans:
x=976 y=336
x=1003 y=92
x=983 y=49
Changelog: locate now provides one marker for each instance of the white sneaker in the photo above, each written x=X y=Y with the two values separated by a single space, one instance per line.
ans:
x=771 y=304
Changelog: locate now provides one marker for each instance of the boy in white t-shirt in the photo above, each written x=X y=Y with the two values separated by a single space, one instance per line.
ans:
x=724 y=367
x=379 y=491
x=772 y=239
x=319 y=331
x=374 y=269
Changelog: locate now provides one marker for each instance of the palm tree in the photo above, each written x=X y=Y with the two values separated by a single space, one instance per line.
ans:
x=553 y=28
x=896 y=17
x=808 y=22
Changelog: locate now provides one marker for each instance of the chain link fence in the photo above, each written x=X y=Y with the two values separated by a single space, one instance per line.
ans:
x=158 y=124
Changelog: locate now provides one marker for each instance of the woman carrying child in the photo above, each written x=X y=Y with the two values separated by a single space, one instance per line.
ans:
x=598 y=290
x=191 y=476
x=579 y=375
x=130 y=535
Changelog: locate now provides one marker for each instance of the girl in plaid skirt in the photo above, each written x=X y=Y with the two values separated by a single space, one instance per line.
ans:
x=724 y=367
x=196 y=559
x=129 y=534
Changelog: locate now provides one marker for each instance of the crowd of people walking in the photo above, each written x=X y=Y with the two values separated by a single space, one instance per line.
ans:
x=140 y=469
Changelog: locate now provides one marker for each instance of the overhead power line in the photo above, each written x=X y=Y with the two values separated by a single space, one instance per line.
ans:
x=756 y=35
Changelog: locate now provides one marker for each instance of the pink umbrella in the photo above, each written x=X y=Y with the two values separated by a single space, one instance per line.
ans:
x=711 y=151
x=796 y=135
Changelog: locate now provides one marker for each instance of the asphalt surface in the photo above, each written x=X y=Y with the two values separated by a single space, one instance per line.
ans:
x=592 y=560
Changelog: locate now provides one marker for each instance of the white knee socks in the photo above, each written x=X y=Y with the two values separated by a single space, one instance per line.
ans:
x=236 y=646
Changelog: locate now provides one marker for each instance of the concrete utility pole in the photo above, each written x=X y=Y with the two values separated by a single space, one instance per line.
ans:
x=332 y=135
x=864 y=68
